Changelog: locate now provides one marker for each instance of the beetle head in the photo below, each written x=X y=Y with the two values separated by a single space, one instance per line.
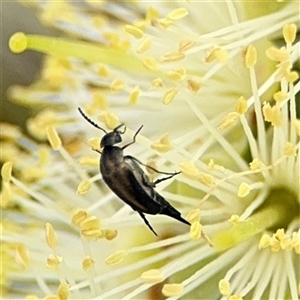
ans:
x=113 y=137
x=110 y=138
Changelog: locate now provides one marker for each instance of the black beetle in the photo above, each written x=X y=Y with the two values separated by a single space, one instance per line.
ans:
x=127 y=180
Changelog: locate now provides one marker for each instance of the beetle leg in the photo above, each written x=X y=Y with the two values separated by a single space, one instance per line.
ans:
x=153 y=169
x=165 y=178
x=97 y=150
x=153 y=184
x=147 y=223
x=133 y=140
x=147 y=182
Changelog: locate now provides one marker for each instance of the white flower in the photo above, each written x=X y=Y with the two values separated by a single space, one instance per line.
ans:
x=247 y=215
x=185 y=58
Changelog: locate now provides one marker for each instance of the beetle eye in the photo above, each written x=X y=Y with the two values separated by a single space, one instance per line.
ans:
x=110 y=139
x=118 y=138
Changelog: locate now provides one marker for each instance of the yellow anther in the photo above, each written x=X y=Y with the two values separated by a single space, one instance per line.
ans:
x=229 y=120
x=134 y=95
x=53 y=261
x=103 y=71
x=163 y=144
x=55 y=73
x=151 y=13
x=283 y=69
x=142 y=24
x=241 y=106
x=152 y=276
x=244 y=190
x=206 y=179
x=150 y=63
x=44 y=156
x=165 y=22
x=224 y=287
x=83 y=187
x=55 y=62
x=172 y=289
x=157 y=83
x=177 y=75
x=297 y=249
x=235 y=297
x=186 y=45
x=37 y=126
x=112 y=37
x=189 y=169
x=151 y=164
x=31 y=297
x=280 y=96
x=18 y=42
x=272 y=114
x=172 y=56
x=275 y=244
x=297 y=126
x=117 y=85
x=53 y=138
x=264 y=242
x=144 y=45
x=234 y=219
x=94 y=143
x=169 y=96
x=210 y=55
x=6 y=194
x=51 y=236
x=6 y=171
x=286 y=244
x=134 y=31
x=79 y=216
x=90 y=223
x=280 y=235
x=22 y=255
x=116 y=257
x=89 y=161
x=289 y=149
x=9 y=131
x=289 y=33
x=109 y=119
x=99 y=100
x=256 y=164
x=110 y=234
x=250 y=57
x=63 y=291
x=193 y=85
x=32 y=174
x=87 y=263
x=295 y=241
x=195 y=231
x=94 y=233
x=291 y=77
x=193 y=215
x=57 y=11
x=51 y=297
x=177 y=14
x=213 y=166
x=277 y=54
x=216 y=53
x=221 y=55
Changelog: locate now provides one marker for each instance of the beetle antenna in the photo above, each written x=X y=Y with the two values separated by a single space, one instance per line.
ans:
x=119 y=126
x=133 y=140
x=89 y=120
x=147 y=223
